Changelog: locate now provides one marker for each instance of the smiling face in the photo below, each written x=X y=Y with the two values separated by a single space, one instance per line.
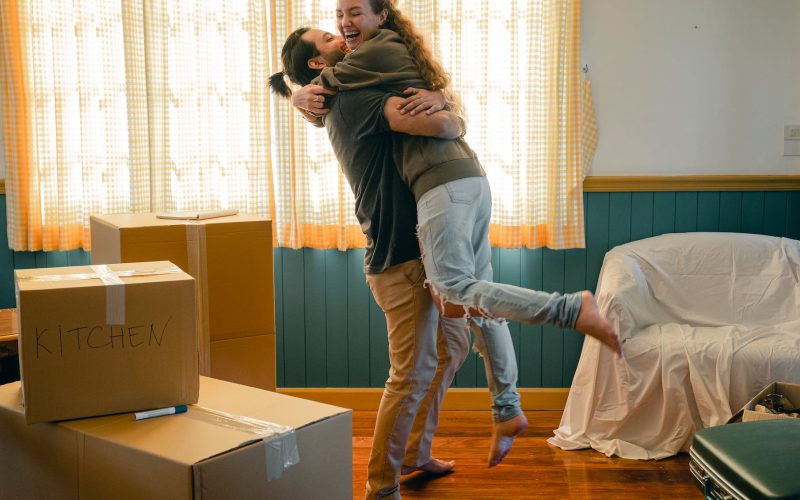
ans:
x=357 y=22
x=331 y=47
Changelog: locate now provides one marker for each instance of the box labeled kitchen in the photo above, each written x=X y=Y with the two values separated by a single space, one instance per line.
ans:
x=97 y=340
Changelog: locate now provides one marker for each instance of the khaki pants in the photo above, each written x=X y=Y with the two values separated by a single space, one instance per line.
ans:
x=422 y=366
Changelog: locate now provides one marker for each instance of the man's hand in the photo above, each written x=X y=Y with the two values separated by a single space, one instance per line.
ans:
x=420 y=100
x=312 y=98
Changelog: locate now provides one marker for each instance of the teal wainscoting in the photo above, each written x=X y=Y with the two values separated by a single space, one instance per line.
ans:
x=330 y=332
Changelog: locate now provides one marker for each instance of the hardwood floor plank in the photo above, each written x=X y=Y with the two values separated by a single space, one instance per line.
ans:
x=534 y=469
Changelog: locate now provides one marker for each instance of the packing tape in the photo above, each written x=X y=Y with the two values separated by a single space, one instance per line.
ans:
x=280 y=441
x=115 y=294
x=115 y=287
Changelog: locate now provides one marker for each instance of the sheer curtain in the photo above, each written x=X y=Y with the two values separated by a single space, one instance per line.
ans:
x=65 y=125
x=130 y=106
x=516 y=66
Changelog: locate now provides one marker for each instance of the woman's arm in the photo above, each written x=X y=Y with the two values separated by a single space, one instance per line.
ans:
x=442 y=125
x=381 y=60
x=420 y=100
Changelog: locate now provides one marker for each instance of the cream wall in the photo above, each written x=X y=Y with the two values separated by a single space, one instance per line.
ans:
x=690 y=87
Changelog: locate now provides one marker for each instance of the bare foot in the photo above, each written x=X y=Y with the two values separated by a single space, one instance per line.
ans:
x=503 y=435
x=590 y=322
x=434 y=466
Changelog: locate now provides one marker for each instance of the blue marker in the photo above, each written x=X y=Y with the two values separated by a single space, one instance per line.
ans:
x=160 y=412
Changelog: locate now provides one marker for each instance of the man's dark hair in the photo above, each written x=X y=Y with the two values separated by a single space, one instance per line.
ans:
x=295 y=55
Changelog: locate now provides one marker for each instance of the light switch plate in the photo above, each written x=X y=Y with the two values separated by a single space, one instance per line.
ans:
x=791 y=140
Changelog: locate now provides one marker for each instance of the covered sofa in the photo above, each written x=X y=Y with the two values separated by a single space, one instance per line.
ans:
x=707 y=320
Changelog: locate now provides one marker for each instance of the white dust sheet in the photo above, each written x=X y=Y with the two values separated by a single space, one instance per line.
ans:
x=707 y=321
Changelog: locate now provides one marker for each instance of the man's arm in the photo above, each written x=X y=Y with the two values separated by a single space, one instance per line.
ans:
x=443 y=124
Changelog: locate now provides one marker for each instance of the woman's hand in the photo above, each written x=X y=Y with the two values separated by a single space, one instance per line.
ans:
x=420 y=100
x=312 y=98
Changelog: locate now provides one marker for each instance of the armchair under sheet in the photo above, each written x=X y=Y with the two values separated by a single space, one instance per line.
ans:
x=706 y=319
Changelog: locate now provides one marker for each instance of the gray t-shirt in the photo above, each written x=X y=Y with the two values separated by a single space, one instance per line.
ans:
x=385 y=207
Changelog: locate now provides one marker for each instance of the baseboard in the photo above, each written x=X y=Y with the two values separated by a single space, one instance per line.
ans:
x=456 y=399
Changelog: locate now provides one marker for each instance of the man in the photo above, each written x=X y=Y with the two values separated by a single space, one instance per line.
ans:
x=422 y=364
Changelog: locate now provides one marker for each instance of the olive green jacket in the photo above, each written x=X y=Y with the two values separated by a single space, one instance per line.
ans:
x=423 y=162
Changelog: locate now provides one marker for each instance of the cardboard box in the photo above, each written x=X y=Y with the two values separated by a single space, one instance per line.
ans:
x=231 y=259
x=248 y=361
x=748 y=413
x=89 y=348
x=187 y=456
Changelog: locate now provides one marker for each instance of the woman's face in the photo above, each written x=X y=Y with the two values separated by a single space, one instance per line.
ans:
x=356 y=21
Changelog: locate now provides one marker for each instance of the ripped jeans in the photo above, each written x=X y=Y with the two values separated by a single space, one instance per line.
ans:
x=454 y=234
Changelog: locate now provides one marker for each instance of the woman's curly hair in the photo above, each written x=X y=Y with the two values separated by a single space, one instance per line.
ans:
x=428 y=66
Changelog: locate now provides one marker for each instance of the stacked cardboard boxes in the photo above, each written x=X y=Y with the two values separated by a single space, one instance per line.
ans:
x=231 y=259
x=105 y=340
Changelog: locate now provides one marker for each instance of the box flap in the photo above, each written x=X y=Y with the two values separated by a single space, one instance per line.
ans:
x=263 y=405
x=31 y=279
x=194 y=436
x=186 y=438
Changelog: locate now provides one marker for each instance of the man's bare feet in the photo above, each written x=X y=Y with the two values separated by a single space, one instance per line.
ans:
x=503 y=435
x=434 y=466
x=590 y=322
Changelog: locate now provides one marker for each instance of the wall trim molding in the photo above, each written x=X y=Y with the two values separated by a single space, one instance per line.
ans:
x=457 y=399
x=692 y=183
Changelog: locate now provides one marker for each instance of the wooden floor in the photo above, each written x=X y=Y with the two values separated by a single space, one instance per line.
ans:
x=534 y=469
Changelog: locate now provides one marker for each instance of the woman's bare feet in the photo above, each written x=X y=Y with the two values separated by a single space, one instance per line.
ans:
x=590 y=322
x=503 y=435
x=434 y=466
